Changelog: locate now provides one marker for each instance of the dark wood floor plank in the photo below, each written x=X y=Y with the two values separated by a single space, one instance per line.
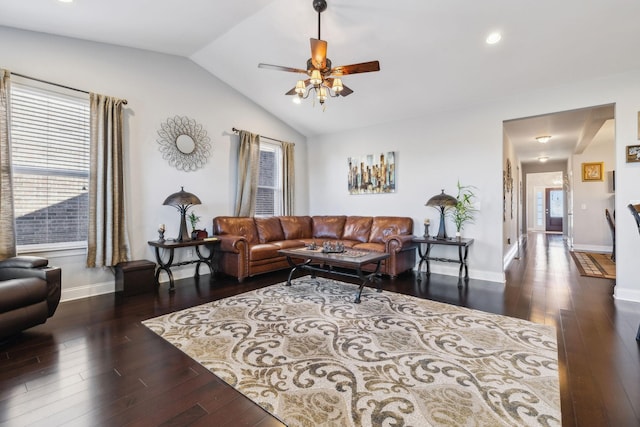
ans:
x=95 y=364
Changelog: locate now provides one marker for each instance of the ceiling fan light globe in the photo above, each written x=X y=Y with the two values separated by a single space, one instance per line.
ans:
x=337 y=85
x=297 y=100
x=300 y=87
x=316 y=77
x=322 y=94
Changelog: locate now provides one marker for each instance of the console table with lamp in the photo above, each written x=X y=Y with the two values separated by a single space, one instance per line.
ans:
x=182 y=201
x=442 y=202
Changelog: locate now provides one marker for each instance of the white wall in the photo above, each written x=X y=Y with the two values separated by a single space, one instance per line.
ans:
x=157 y=87
x=590 y=229
x=510 y=202
x=434 y=151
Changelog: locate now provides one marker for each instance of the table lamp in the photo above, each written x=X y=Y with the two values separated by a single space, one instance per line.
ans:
x=441 y=202
x=182 y=200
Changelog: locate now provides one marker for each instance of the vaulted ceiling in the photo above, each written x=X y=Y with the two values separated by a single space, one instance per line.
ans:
x=433 y=54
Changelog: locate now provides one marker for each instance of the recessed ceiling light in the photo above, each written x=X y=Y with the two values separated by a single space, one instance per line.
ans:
x=543 y=139
x=494 y=38
x=542 y=159
x=65 y=1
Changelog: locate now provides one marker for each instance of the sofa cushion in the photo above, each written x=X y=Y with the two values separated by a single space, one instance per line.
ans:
x=373 y=247
x=264 y=251
x=357 y=228
x=288 y=244
x=296 y=227
x=384 y=226
x=328 y=227
x=236 y=226
x=269 y=229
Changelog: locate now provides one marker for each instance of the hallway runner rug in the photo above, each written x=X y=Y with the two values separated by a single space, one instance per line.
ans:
x=311 y=357
x=593 y=264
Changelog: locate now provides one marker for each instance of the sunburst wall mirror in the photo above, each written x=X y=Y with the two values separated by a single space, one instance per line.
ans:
x=184 y=143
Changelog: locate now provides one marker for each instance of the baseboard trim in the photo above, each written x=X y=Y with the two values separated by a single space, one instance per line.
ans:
x=87 y=291
x=592 y=248
x=447 y=270
x=94 y=289
x=626 y=294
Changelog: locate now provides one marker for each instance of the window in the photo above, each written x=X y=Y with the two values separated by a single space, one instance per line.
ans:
x=50 y=158
x=269 y=196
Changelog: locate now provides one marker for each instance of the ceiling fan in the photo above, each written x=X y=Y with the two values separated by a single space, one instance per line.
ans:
x=322 y=79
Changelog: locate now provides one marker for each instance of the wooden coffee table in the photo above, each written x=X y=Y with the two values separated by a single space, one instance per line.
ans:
x=315 y=260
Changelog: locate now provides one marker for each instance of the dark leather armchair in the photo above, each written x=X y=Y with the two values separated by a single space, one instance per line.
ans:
x=29 y=293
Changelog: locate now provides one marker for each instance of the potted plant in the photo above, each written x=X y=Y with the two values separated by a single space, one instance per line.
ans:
x=194 y=220
x=463 y=212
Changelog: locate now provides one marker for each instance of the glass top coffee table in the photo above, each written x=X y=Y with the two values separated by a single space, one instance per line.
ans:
x=315 y=260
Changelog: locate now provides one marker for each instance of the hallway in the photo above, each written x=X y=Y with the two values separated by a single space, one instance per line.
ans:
x=598 y=354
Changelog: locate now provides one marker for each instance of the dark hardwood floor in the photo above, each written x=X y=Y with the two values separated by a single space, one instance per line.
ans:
x=93 y=363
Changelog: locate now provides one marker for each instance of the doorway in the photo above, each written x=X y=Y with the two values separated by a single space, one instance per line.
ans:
x=554 y=212
x=546 y=207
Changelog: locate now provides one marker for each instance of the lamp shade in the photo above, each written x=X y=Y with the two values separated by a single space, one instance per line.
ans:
x=316 y=77
x=182 y=200
x=441 y=202
x=337 y=85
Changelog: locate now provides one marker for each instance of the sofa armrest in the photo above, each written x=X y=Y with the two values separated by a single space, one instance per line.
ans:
x=24 y=262
x=35 y=267
x=53 y=276
x=398 y=243
x=233 y=243
x=23 y=267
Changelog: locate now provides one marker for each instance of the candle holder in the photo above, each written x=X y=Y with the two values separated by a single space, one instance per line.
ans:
x=426 y=230
x=161 y=229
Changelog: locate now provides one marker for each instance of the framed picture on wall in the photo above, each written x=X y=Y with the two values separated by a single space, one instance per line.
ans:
x=633 y=153
x=593 y=171
x=372 y=174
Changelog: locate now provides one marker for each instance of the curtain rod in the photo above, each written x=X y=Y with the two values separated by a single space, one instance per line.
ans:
x=124 y=101
x=262 y=136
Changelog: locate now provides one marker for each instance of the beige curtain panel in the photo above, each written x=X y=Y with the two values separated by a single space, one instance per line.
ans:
x=288 y=185
x=248 y=169
x=108 y=242
x=7 y=220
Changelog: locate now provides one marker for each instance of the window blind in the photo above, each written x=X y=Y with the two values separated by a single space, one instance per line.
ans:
x=269 y=193
x=50 y=157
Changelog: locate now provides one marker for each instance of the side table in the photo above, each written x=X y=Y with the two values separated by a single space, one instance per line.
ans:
x=425 y=256
x=211 y=260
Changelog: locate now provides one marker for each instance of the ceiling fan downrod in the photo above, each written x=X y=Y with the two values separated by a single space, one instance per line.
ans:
x=319 y=6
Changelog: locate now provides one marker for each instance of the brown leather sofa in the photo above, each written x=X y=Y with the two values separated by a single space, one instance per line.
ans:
x=249 y=245
x=29 y=293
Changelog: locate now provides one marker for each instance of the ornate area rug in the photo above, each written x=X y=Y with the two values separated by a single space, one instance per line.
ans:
x=311 y=357
x=593 y=264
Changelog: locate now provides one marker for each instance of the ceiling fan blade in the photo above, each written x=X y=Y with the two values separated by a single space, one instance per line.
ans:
x=282 y=68
x=345 y=91
x=363 y=67
x=318 y=53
